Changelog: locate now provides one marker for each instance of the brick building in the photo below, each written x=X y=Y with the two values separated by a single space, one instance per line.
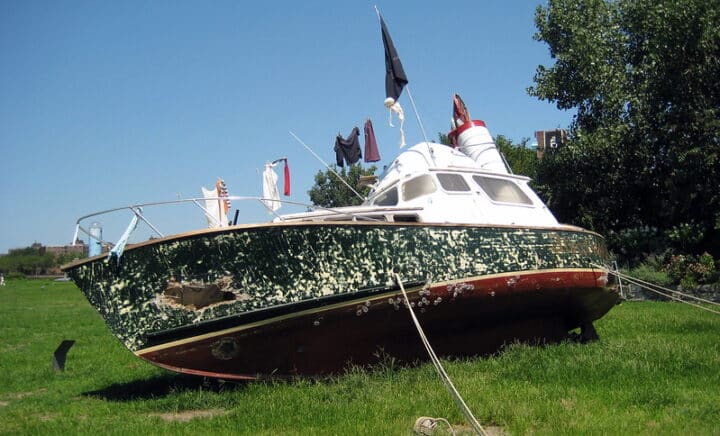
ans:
x=549 y=141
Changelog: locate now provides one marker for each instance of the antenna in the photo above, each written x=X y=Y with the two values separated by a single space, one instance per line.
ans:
x=417 y=116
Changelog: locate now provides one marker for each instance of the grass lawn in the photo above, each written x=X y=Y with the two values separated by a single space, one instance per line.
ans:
x=655 y=370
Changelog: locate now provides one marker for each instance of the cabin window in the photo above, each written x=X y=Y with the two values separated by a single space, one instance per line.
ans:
x=369 y=218
x=387 y=198
x=406 y=218
x=453 y=182
x=505 y=191
x=421 y=185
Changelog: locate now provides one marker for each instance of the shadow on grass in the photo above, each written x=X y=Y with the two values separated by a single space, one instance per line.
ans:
x=162 y=386
x=171 y=384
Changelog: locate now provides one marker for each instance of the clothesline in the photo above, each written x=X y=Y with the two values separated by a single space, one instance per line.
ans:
x=347 y=150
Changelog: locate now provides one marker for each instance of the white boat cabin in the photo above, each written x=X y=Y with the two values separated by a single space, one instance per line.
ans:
x=435 y=183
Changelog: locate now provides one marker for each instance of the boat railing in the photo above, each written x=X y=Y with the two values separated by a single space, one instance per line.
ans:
x=138 y=212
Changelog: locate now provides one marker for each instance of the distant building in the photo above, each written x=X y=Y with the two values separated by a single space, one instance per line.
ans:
x=59 y=253
x=35 y=246
x=80 y=248
x=549 y=140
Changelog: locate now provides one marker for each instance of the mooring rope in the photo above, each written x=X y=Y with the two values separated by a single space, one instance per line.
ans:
x=669 y=293
x=439 y=368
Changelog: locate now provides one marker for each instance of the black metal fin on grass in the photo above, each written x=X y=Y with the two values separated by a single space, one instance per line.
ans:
x=60 y=354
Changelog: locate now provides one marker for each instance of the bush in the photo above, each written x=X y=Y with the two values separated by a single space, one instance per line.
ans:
x=650 y=273
x=705 y=269
x=14 y=275
x=686 y=236
x=635 y=244
x=690 y=271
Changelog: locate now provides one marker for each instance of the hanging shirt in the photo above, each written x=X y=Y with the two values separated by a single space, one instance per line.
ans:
x=371 y=149
x=348 y=150
x=270 y=190
x=214 y=210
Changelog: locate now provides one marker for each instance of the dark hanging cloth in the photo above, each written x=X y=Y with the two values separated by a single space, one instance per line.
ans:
x=371 y=149
x=395 y=78
x=348 y=149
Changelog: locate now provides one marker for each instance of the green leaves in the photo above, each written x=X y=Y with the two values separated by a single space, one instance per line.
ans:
x=642 y=75
x=329 y=191
x=522 y=160
x=27 y=263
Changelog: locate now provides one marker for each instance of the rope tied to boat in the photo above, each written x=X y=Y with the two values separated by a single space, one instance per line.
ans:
x=661 y=290
x=444 y=377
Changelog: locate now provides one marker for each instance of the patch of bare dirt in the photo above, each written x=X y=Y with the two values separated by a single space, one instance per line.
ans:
x=567 y=403
x=47 y=417
x=189 y=415
x=437 y=426
x=18 y=396
x=494 y=430
x=490 y=430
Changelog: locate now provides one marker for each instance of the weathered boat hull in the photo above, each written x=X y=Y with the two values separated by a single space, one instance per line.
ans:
x=306 y=299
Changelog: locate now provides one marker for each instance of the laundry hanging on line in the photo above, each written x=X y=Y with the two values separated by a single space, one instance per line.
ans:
x=348 y=149
x=371 y=149
x=271 y=193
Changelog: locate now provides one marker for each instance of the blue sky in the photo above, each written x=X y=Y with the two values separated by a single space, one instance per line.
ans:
x=106 y=104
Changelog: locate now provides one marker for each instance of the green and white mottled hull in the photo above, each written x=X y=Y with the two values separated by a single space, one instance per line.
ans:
x=208 y=283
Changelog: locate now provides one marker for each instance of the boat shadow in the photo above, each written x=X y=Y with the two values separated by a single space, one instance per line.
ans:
x=165 y=385
x=162 y=386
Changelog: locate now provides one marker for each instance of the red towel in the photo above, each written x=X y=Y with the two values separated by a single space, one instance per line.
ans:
x=287 y=179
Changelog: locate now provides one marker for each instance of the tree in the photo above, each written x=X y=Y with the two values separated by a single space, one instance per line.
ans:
x=329 y=191
x=26 y=261
x=644 y=147
x=33 y=260
x=520 y=158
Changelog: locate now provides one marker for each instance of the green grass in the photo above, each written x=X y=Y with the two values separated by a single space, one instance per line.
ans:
x=656 y=369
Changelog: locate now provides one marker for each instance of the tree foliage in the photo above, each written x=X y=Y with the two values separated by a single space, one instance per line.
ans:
x=444 y=139
x=645 y=141
x=329 y=191
x=522 y=160
x=27 y=261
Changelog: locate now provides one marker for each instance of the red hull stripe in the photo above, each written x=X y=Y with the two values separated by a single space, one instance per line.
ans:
x=495 y=284
x=189 y=371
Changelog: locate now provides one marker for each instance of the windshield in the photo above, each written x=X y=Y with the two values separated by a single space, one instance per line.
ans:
x=387 y=198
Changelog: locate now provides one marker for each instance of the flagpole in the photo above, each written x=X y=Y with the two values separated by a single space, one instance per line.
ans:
x=327 y=166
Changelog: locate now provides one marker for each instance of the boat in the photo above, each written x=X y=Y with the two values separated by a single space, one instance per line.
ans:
x=447 y=231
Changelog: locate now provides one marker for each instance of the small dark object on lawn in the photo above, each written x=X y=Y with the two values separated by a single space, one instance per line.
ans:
x=60 y=354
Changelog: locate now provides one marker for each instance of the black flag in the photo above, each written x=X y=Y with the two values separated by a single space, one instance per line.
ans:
x=395 y=79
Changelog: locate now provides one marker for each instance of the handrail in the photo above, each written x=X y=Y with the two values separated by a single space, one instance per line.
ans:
x=136 y=209
x=190 y=200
